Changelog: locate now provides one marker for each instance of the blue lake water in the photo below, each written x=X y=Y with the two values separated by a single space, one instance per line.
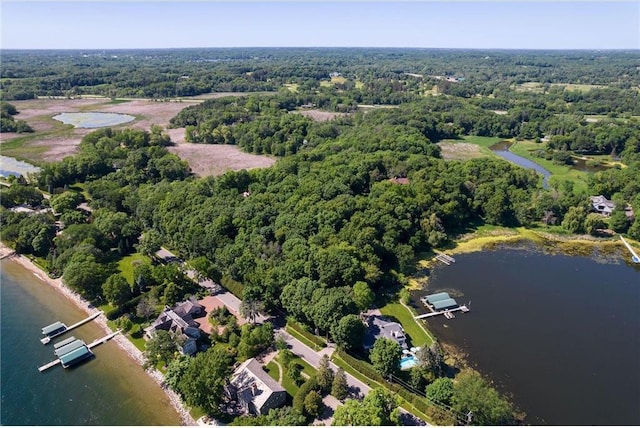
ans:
x=558 y=333
x=110 y=389
x=93 y=119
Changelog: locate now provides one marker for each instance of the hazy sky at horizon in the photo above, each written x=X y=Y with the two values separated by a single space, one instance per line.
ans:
x=429 y=24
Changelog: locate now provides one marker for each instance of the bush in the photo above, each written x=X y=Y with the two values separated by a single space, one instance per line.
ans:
x=136 y=331
x=298 y=400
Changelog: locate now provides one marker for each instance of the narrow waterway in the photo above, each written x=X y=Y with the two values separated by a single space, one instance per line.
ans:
x=502 y=150
x=110 y=389
x=558 y=333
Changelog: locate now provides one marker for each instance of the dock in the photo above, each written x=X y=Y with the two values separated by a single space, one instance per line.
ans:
x=9 y=254
x=634 y=257
x=84 y=351
x=60 y=328
x=447 y=313
x=446 y=259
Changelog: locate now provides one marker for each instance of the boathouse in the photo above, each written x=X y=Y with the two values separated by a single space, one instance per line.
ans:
x=75 y=356
x=432 y=298
x=54 y=328
x=444 y=304
x=69 y=347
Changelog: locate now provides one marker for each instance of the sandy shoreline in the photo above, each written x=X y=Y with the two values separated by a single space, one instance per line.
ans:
x=124 y=344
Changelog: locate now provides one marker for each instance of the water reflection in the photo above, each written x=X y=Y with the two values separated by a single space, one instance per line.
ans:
x=502 y=149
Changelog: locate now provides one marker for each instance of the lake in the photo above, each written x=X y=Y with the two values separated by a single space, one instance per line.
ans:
x=93 y=119
x=559 y=333
x=110 y=389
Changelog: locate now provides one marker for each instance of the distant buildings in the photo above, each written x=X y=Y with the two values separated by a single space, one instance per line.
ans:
x=604 y=206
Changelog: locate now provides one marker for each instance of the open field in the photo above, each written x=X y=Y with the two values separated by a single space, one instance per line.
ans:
x=319 y=115
x=538 y=87
x=468 y=148
x=53 y=140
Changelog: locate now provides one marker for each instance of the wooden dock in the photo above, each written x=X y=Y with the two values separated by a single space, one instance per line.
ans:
x=47 y=339
x=447 y=313
x=93 y=344
x=446 y=259
x=634 y=257
x=9 y=254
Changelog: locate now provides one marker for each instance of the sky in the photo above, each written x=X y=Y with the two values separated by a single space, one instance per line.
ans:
x=478 y=24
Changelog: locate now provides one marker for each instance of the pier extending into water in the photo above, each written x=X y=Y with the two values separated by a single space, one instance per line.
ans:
x=634 y=257
x=88 y=347
x=446 y=259
x=447 y=313
x=63 y=328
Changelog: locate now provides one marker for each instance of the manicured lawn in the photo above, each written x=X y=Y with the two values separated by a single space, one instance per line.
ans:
x=287 y=383
x=126 y=264
x=273 y=370
x=417 y=334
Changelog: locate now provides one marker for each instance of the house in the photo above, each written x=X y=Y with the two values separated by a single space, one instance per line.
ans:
x=254 y=390
x=180 y=321
x=602 y=205
x=380 y=327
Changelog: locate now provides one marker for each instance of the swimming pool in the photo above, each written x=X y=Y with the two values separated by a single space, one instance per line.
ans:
x=408 y=362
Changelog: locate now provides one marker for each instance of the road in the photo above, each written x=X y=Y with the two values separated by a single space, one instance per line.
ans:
x=308 y=354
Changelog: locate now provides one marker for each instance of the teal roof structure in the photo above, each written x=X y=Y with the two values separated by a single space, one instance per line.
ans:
x=431 y=298
x=56 y=326
x=445 y=304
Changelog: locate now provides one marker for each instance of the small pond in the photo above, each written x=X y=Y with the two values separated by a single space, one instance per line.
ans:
x=502 y=150
x=10 y=166
x=583 y=165
x=93 y=119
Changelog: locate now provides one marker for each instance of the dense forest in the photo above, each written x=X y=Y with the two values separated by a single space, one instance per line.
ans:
x=352 y=202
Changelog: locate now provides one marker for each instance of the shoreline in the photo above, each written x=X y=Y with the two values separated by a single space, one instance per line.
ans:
x=124 y=344
x=572 y=244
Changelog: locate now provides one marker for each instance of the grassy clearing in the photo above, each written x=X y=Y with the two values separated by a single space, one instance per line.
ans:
x=527 y=148
x=577 y=86
x=359 y=84
x=418 y=335
x=293 y=87
x=483 y=144
x=127 y=263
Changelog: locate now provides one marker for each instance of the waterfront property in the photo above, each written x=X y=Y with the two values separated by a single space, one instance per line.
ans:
x=254 y=390
x=180 y=320
x=380 y=327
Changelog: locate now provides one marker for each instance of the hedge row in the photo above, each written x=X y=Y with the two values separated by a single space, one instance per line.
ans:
x=232 y=285
x=410 y=400
x=298 y=328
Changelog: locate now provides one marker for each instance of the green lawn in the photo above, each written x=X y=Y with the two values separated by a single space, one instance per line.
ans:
x=287 y=383
x=126 y=264
x=526 y=149
x=417 y=334
x=273 y=370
